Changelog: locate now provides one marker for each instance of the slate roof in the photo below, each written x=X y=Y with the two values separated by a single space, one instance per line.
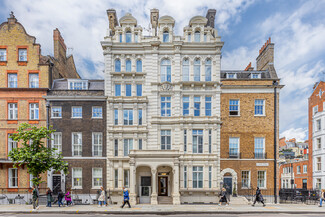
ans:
x=62 y=84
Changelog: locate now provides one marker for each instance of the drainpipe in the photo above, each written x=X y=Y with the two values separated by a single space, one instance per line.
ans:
x=275 y=83
x=48 y=120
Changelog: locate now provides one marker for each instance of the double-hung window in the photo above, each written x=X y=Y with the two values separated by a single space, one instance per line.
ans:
x=139 y=89
x=76 y=112
x=208 y=70
x=78 y=85
x=319 y=143
x=77 y=177
x=208 y=106
x=13 y=178
x=57 y=142
x=97 y=144
x=117 y=65
x=318 y=164
x=186 y=105
x=261 y=179
x=234 y=107
x=315 y=109
x=197 y=177
x=3 y=54
x=128 y=65
x=12 y=111
x=319 y=184
x=33 y=80
x=128 y=90
x=298 y=169
x=97 y=174
x=245 y=179
x=318 y=125
x=140 y=117
x=259 y=107
x=56 y=112
x=115 y=147
x=186 y=70
x=259 y=148
x=97 y=112
x=165 y=70
x=77 y=144
x=12 y=80
x=128 y=146
x=197 y=70
x=165 y=106
x=304 y=167
x=115 y=116
x=33 y=111
x=22 y=54
x=128 y=117
x=165 y=139
x=139 y=65
x=117 y=90
x=12 y=144
x=126 y=178
x=233 y=147
x=197 y=141
x=197 y=105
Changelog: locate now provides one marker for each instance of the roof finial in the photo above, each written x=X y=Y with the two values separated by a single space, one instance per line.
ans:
x=12 y=14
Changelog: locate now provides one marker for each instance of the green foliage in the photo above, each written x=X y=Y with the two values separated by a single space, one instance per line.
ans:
x=33 y=152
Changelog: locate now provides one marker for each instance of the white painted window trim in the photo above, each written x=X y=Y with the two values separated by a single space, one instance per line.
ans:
x=93 y=144
x=72 y=107
x=92 y=112
x=73 y=176
x=93 y=177
x=52 y=117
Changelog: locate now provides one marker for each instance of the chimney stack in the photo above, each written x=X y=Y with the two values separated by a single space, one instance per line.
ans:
x=154 y=16
x=211 y=15
x=266 y=56
x=59 y=45
x=112 y=19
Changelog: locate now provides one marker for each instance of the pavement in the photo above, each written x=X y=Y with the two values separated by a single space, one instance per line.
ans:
x=167 y=209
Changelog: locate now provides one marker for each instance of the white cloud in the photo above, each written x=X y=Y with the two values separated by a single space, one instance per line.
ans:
x=298 y=133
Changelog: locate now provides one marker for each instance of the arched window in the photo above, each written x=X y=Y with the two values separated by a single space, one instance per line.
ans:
x=128 y=65
x=186 y=70
x=117 y=65
x=166 y=36
x=208 y=70
x=165 y=70
x=197 y=36
x=139 y=66
x=197 y=69
x=128 y=36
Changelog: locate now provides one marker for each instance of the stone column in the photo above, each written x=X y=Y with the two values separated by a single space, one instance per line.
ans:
x=132 y=182
x=176 y=195
x=154 y=198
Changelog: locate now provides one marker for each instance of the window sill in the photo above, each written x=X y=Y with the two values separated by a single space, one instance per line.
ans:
x=56 y=117
x=33 y=121
x=95 y=188
x=3 y=63
x=234 y=115
x=76 y=117
x=245 y=188
x=22 y=63
x=76 y=188
x=12 y=121
x=96 y=117
x=259 y=115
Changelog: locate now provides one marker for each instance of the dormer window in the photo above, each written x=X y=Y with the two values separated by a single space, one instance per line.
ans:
x=128 y=36
x=78 y=84
x=197 y=36
x=166 y=36
x=231 y=75
x=256 y=75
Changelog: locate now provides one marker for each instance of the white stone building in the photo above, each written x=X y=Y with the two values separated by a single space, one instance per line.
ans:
x=163 y=116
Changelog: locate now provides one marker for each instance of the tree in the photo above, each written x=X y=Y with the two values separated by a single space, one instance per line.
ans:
x=34 y=154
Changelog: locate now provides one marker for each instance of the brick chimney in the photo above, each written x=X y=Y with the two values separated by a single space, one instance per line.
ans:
x=154 y=16
x=211 y=15
x=60 y=49
x=266 y=56
x=112 y=19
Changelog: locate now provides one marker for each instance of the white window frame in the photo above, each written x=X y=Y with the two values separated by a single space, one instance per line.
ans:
x=238 y=111
x=165 y=134
x=318 y=183
x=249 y=179
x=298 y=169
x=126 y=178
x=263 y=153
x=10 y=176
x=231 y=75
x=197 y=136
x=77 y=84
x=315 y=109
x=79 y=186
x=94 y=176
x=129 y=146
x=13 y=81
x=304 y=167
x=33 y=83
x=3 y=54
x=99 y=112
x=74 y=113
x=197 y=170
x=22 y=54
x=319 y=143
x=318 y=124
x=33 y=111
x=258 y=75
x=13 y=108
x=58 y=144
x=77 y=145
x=259 y=105
x=99 y=145
x=265 y=177
x=53 y=113
x=12 y=144
x=127 y=121
x=318 y=163
x=238 y=153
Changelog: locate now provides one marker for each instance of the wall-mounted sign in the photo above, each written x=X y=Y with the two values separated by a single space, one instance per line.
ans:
x=262 y=164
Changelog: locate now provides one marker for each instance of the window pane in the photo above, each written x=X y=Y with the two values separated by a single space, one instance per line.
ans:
x=117 y=65
x=33 y=80
x=128 y=65
x=166 y=36
x=139 y=89
x=128 y=37
x=12 y=80
x=139 y=66
x=186 y=70
x=197 y=36
x=117 y=90
x=128 y=89
x=197 y=70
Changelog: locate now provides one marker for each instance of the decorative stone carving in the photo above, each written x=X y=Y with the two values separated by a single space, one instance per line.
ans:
x=166 y=87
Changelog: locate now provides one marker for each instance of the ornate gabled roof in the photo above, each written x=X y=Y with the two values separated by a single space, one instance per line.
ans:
x=128 y=19
x=198 y=20
x=166 y=20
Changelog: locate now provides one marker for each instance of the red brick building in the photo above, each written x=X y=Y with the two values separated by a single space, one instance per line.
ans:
x=297 y=171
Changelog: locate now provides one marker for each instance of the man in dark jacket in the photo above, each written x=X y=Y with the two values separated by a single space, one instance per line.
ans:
x=258 y=197
x=60 y=198
x=35 y=196
x=126 y=197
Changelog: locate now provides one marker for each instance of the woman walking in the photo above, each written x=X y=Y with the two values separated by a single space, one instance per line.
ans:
x=223 y=197
x=322 y=198
x=49 y=197
x=258 y=197
x=126 y=197
x=68 y=197
x=101 y=198
x=60 y=198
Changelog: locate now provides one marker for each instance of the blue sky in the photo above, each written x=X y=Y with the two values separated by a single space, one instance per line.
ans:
x=296 y=27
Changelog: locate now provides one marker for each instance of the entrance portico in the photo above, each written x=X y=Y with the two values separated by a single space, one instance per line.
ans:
x=163 y=167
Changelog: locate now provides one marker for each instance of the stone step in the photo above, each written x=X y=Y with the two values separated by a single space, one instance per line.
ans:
x=165 y=200
x=239 y=200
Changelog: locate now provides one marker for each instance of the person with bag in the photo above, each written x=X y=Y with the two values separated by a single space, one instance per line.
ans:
x=258 y=197
x=126 y=197
x=35 y=195
x=102 y=197
x=223 y=197
x=49 y=197
x=68 y=197
x=321 y=198
x=60 y=198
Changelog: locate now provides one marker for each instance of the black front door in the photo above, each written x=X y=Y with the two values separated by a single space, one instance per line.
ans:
x=227 y=184
x=304 y=183
x=56 y=181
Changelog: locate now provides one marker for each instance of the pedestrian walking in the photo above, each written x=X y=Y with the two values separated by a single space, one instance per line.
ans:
x=35 y=195
x=223 y=197
x=126 y=197
x=102 y=197
x=258 y=197
x=49 y=197
x=68 y=197
x=322 y=197
x=60 y=198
